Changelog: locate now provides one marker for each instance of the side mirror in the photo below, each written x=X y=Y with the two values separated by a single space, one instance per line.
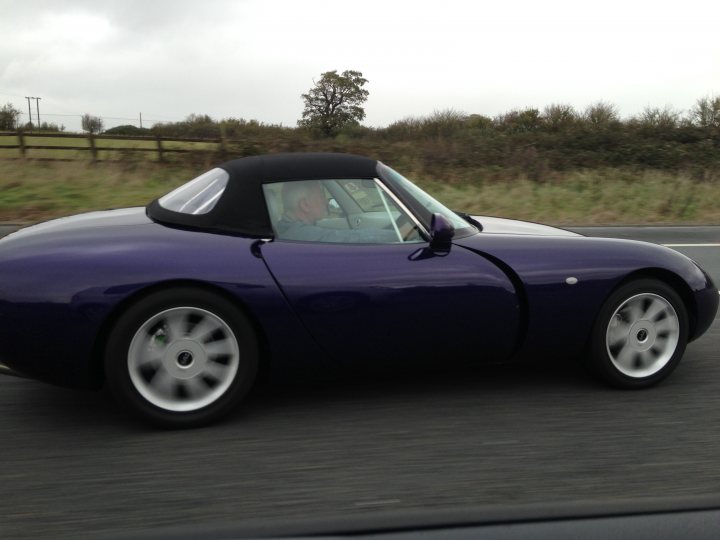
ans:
x=441 y=233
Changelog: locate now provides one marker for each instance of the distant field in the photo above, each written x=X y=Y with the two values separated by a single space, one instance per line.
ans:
x=32 y=191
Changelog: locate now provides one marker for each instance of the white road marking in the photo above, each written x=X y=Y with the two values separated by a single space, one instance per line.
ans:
x=691 y=245
x=378 y=503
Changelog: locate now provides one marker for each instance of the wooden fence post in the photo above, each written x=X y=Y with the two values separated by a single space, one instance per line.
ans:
x=21 y=142
x=93 y=148
x=223 y=137
x=159 y=147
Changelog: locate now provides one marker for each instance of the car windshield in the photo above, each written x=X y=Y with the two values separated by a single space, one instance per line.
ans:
x=432 y=205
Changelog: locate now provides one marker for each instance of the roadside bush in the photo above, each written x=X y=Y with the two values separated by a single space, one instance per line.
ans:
x=128 y=129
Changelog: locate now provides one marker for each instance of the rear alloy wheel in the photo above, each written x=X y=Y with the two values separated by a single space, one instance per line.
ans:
x=640 y=334
x=181 y=357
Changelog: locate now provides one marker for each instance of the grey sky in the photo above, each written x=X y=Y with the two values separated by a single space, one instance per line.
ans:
x=253 y=59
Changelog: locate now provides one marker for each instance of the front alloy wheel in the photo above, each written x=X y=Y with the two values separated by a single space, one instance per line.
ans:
x=640 y=334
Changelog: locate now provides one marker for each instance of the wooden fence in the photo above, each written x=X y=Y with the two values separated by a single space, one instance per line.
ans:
x=95 y=144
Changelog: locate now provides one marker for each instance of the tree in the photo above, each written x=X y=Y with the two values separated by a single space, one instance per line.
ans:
x=92 y=124
x=559 y=116
x=334 y=102
x=519 y=120
x=8 y=117
x=706 y=112
x=655 y=117
x=443 y=123
x=601 y=114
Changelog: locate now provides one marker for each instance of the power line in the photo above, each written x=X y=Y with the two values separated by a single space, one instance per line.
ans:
x=118 y=118
x=81 y=115
x=156 y=116
x=151 y=117
x=115 y=117
x=55 y=114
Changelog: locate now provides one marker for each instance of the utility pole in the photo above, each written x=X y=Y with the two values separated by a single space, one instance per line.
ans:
x=140 y=120
x=37 y=104
x=29 y=110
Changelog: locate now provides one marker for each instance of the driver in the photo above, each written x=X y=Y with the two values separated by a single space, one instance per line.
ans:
x=305 y=204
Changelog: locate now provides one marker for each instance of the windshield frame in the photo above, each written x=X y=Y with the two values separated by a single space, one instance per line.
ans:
x=416 y=207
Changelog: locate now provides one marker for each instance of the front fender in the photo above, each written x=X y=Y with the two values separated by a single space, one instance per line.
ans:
x=567 y=279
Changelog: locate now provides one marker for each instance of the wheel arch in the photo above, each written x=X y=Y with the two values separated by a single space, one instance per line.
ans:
x=97 y=370
x=676 y=283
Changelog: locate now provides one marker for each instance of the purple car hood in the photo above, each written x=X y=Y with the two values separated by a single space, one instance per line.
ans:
x=495 y=225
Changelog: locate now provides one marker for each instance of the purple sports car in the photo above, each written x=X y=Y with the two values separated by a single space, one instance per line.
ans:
x=301 y=264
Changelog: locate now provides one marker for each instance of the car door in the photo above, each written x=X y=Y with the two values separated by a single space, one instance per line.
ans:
x=374 y=303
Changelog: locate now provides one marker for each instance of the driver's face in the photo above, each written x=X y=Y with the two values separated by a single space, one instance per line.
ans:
x=316 y=203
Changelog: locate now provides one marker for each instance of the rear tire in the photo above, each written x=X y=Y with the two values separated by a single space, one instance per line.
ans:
x=181 y=357
x=640 y=334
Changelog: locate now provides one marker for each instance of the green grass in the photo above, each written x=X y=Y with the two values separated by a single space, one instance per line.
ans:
x=31 y=191
x=591 y=197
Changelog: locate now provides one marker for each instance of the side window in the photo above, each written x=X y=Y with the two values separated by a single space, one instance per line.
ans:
x=338 y=211
x=198 y=196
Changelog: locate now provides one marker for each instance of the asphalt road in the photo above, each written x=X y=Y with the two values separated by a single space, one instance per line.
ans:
x=71 y=464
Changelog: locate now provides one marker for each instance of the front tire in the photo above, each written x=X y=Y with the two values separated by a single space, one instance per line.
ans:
x=640 y=334
x=181 y=357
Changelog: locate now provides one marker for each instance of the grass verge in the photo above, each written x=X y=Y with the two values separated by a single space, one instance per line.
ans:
x=33 y=191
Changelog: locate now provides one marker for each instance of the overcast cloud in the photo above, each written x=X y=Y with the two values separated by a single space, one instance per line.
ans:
x=253 y=59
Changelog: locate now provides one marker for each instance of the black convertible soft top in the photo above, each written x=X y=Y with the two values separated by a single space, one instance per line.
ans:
x=241 y=209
